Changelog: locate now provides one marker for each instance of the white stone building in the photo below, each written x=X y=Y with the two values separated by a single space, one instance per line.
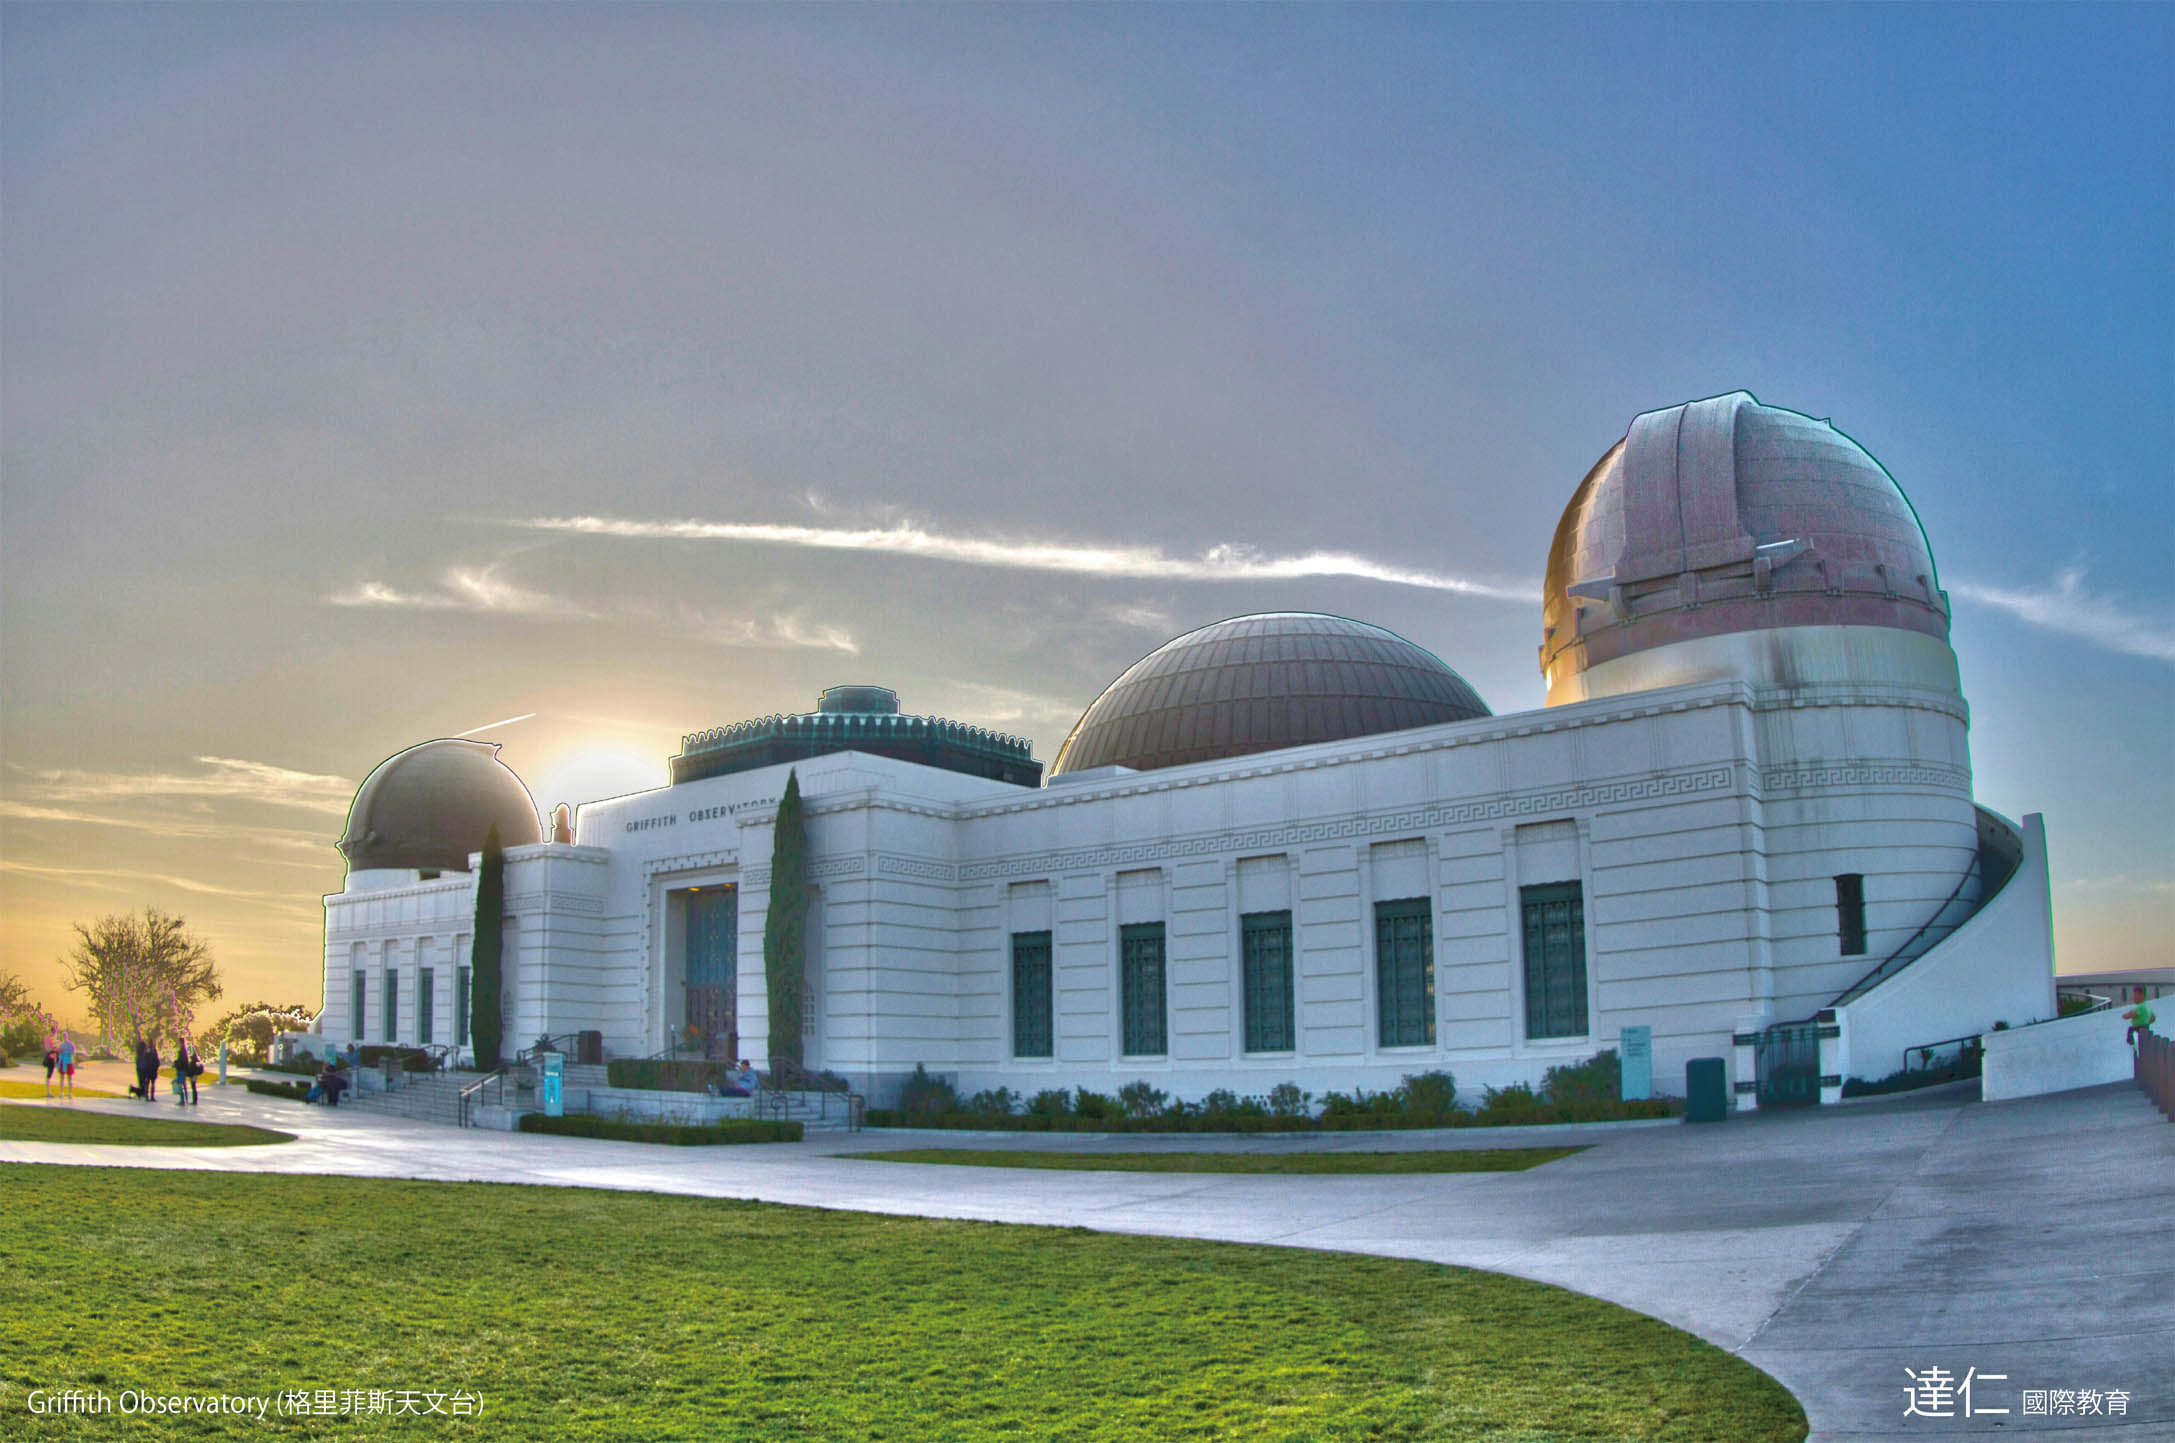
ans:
x=1298 y=848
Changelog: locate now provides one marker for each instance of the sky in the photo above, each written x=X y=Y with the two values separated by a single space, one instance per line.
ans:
x=577 y=377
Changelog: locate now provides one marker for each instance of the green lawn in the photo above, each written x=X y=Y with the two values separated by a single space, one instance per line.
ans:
x=1495 y=1159
x=9 y=1087
x=61 y=1123
x=590 y=1314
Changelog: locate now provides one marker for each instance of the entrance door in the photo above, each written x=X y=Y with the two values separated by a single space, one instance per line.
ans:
x=1788 y=1057
x=713 y=966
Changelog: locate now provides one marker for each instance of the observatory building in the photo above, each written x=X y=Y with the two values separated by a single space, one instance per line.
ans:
x=1294 y=847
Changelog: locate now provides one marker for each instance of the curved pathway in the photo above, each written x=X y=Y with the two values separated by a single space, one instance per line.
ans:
x=1835 y=1248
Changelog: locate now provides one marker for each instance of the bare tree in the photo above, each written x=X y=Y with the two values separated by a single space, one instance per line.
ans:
x=144 y=973
x=14 y=995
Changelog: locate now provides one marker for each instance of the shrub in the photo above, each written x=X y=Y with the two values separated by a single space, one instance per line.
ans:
x=292 y=1091
x=677 y=1134
x=1222 y=1102
x=1286 y=1100
x=1095 y=1105
x=924 y=1096
x=1050 y=1102
x=1598 y=1081
x=995 y=1102
x=792 y=1077
x=1515 y=1103
x=1430 y=1093
x=1138 y=1099
x=657 y=1074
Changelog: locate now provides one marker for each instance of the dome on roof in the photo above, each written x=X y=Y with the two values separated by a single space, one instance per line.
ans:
x=1257 y=683
x=1724 y=538
x=431 y=805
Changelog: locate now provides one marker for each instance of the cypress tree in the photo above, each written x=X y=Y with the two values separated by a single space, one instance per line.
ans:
x=785 y=927
x=484 y=1028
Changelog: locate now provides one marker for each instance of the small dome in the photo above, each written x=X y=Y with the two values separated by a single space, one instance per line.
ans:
x=431 y=805
x=1724 y=517
x=1257 y=683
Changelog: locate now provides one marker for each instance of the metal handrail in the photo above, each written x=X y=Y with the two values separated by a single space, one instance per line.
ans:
x=1925 y=1050
x=522 y=1058
x=497 y=1075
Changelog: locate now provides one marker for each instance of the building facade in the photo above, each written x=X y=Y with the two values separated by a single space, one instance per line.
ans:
x=1298 y=848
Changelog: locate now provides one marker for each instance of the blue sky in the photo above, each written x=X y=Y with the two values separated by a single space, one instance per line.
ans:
x=310 y=315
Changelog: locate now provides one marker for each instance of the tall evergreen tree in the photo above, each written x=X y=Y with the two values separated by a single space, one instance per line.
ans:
x=785 y=927
x=484 y=1028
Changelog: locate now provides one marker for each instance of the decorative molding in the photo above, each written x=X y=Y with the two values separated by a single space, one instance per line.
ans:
x=831 y=867
x=1790 y=779
x=1269 y=839
x=689 y=862
x=916 y=867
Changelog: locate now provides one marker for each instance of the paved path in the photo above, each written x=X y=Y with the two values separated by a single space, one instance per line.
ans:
x=1834 y=1248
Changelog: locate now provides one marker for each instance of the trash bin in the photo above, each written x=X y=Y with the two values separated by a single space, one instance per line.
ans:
x=589 y=1049
x=1706 y=1090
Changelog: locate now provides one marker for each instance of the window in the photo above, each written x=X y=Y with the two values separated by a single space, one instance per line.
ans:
x=358 y=996
x=1850 y=912
x=1030 y=994
x=1265 y=947
x=1555 y=946
x=426 y=999
x=392 y=1004
x=460 y=1007
x=1404 y=959
x=1140 y=988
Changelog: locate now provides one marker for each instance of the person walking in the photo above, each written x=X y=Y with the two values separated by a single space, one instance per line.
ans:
x=52 y=1061
x=68 y=1065
x=185 y=1070
x=149 y=1068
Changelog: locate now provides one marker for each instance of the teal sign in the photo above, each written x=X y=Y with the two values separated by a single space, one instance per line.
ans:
x=551 y=1067
x=1636 y=1049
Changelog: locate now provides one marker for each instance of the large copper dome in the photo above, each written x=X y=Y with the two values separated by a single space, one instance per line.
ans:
x=431 y=805
x=1723 y=518
x=1256 y=683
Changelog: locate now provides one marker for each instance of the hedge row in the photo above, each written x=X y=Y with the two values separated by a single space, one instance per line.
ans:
x=1332 y=1122
x=658 y=1074
x=292 y=1091
x=678 y=1134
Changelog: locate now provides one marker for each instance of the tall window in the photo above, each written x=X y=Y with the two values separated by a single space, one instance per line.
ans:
x=1031 y=994
x=392 y=1004
x=1555 y=946
x=1265 y=945
x=426 y=999
x=358 y=997
x=1850 y=912
x=460 y=1007
x=1404 y=960
x=1140 y=988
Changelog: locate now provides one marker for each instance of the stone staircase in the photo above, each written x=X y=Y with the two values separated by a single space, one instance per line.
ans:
x=424 y=1097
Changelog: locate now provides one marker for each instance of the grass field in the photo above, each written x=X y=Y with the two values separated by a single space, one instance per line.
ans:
x=1498 y=1159
x=64 y=1124
x=590 y=1314
x=10 y=1087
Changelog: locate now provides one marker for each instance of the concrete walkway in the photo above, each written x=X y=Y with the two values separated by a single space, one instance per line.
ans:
x=1834 y=1248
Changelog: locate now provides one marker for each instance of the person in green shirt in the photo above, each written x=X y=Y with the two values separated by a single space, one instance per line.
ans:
x=2140 y=1018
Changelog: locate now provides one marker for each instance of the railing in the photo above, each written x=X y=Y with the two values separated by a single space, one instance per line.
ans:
x=472 y=1091
x=2154 y=1065
x=547 y=1044
x=1925 y=1050
x=777 y=1104
x=1995 y=863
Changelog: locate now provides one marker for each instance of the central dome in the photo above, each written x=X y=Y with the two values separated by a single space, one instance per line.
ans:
x=1258 y=683
x=431 y=805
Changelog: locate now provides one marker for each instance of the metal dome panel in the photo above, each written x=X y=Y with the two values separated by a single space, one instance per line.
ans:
x=1258 y=683
x=431 y=805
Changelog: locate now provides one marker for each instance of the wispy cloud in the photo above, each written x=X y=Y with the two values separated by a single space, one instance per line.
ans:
x=224 y=778
x=1230 y=561
x=115 y=879
x=2120 y=882
x=494 y=726
x=465 y=588
x=317 y=846
x=2068 y=608
x=482 y=590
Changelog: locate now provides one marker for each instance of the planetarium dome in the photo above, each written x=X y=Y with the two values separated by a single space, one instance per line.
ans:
x=1257 y=683
x=1727 y=539
x=430 y=806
